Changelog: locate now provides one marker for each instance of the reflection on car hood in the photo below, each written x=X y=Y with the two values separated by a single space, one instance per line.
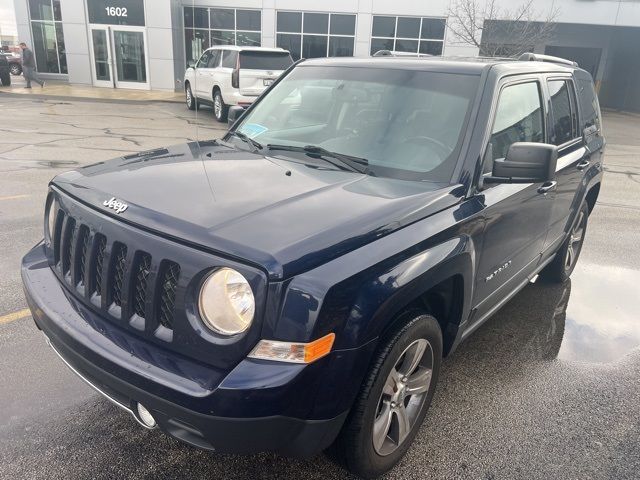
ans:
x=283 y=216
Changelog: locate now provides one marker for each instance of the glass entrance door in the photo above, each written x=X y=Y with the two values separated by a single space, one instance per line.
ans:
x=130 y=59
x=101 y=53
x=119 y=57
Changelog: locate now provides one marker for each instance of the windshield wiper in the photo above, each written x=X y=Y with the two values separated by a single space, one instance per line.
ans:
x=255 y=146
x=345 y=162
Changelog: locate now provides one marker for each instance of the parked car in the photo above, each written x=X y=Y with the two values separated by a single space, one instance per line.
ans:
x=357 y=222
x=231 y=75
x=5 y=69
x=15 y=62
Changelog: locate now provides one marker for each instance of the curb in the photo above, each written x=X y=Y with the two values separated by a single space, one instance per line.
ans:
x=38 y=96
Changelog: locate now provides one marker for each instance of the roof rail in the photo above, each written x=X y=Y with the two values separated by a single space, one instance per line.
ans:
x=536 y=57
x=393 y=53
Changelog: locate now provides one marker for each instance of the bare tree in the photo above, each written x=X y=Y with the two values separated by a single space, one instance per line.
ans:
x=498 y=31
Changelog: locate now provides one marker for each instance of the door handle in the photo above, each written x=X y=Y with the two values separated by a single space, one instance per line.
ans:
x=548 y=187
x=583 y=164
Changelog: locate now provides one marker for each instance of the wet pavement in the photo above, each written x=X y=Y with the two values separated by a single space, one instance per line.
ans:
x=547 y=388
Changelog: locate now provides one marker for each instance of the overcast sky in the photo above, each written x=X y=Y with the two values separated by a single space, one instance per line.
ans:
x=7 y=18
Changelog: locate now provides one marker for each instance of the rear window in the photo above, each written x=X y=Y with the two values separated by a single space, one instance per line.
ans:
x=265 y=60
x=589 y=106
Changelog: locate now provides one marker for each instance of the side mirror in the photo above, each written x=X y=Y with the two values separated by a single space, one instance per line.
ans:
x=525 y=163
x=234 y=114
x=191 y=64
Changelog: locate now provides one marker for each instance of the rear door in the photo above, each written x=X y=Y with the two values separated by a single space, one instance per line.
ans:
x=564 y=132
x=516 y=215
x=258 y=70
x=202 y=74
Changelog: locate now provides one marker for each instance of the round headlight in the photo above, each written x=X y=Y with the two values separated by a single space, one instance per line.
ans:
x=226 y=302
x=51 y=218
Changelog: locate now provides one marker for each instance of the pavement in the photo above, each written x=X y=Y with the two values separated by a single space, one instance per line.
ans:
x=548 y=388
x=59 y=89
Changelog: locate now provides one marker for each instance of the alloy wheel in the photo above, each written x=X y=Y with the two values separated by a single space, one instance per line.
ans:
x=15 y=70
x=189 y=97
x=217 y=106
x=403 y=396
x=575 y=242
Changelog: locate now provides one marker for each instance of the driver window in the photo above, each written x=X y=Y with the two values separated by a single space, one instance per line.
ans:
x=204 y=60
x=518 y=118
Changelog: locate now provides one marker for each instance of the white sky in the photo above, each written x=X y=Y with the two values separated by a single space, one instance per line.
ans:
x=7 y=18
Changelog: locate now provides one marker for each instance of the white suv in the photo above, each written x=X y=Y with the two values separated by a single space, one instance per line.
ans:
x=230 y=75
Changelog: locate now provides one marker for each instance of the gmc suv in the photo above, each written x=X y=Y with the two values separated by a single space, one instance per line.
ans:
x=297 y=283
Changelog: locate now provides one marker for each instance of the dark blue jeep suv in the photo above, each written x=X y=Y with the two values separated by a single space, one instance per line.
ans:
x=297 y=283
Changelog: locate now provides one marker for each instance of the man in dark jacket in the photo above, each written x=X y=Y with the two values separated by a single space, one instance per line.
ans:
x=29 y=66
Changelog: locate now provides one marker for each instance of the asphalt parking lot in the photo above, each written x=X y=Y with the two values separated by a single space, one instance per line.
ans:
x=548 y=388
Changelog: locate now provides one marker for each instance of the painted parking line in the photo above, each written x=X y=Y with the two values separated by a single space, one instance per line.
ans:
x=12 y=317
x=14 y=197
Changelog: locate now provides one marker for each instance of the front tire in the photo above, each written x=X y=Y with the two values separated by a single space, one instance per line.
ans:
x=15 y=69
x=559 y=270
x=191 y=101
x=395 y=398
x=220 y=109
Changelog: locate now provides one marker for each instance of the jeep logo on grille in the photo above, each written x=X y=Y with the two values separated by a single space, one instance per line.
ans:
x=116 y=205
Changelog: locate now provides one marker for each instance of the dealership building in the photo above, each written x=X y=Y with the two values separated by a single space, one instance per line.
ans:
x=146 y=44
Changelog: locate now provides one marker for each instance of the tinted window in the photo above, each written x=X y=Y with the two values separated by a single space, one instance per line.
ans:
x=384 y=26
x=265 y=60
x=214 y=59
x=408 y=27
x=433 y=27
x=229 y=59
x=316 y=23
x=343 y=24
x=589 y=106
x=564 y=121
x=378 y=44
x=340 y=47
x=290 y=22
x=314 y=46
x=408 y=124
x=248 y=20
x=291 y=43
x=223 y=18
x=223 y=37
x=518 y=118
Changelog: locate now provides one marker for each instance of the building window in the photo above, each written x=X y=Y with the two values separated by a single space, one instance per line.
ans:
x=310 y=35
x=48 y=38
x=205 y=27
x=408 y=34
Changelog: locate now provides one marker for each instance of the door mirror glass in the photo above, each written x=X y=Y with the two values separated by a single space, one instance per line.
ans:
x=234 y=114
x=526 y=162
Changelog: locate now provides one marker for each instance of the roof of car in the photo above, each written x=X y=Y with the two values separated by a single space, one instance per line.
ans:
x=243 y=48
x=464 y=65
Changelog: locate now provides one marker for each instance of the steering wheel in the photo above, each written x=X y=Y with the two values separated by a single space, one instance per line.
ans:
x=440 y=147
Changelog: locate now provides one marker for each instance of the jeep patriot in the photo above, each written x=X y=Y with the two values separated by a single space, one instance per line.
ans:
x=296 y=284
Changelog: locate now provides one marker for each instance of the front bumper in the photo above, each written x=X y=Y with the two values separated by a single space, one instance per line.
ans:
x=89 y=349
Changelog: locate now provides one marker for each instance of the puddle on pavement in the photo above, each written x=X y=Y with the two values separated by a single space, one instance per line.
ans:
x=592 y=318
x=602 y=321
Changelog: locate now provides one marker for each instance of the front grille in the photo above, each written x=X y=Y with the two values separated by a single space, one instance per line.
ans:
x=114 y=277
x=169 y=283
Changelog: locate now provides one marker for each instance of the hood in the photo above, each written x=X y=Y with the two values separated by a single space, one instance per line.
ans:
x=283 y=216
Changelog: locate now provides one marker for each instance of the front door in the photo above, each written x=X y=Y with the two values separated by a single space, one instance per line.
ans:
x=119 y=57
x=516 y=215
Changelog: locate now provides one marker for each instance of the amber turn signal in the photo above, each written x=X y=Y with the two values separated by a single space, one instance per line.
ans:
x=294 y=352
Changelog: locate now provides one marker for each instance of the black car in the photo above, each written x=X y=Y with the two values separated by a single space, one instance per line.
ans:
x=5 y=71
x=297 y=283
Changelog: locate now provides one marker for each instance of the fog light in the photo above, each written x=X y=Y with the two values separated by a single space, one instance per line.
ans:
x=146 y=417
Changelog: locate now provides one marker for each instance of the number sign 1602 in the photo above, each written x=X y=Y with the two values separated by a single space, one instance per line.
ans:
x=116 y=11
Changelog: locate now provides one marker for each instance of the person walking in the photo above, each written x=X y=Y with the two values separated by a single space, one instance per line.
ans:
x=29 y=66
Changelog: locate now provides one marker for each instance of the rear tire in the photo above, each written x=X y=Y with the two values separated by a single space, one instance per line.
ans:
x=220 y=109
x=559 y=270
x=386 y=415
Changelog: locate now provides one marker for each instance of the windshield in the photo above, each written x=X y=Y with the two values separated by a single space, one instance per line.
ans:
x=265 y=60
x=406 y=124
